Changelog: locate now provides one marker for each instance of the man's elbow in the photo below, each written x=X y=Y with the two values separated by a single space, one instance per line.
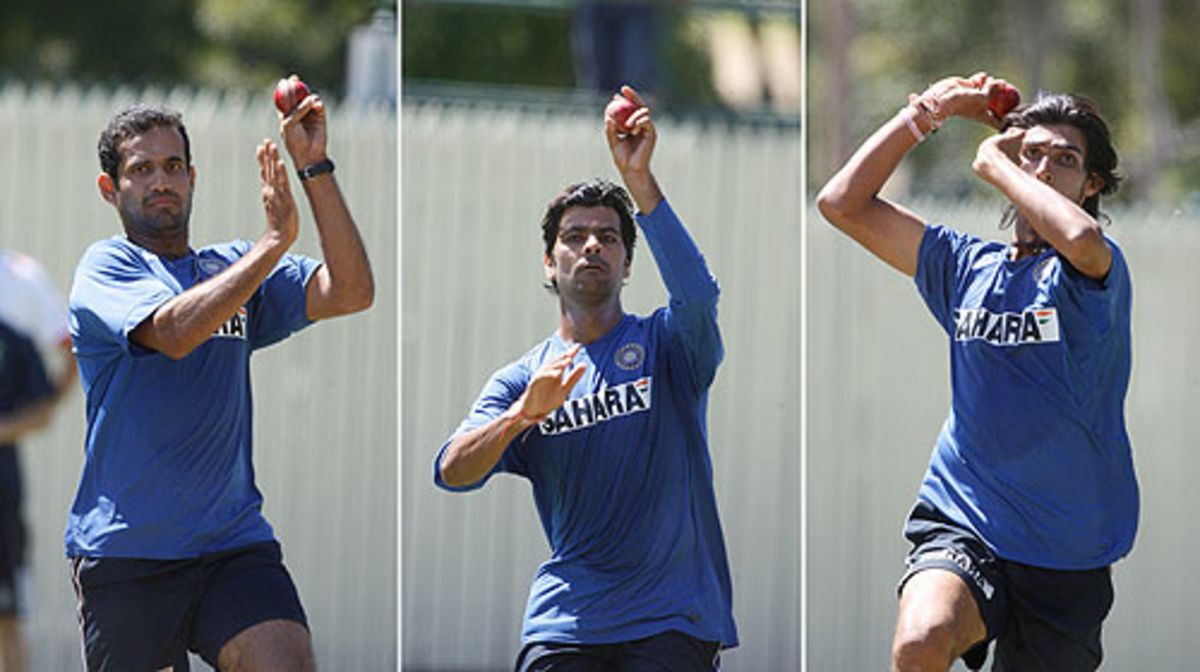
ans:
x=832 y=205
x=1089 y=254
x=360 y=299
x=163 y=340
x=353 y=299
x=451 y=476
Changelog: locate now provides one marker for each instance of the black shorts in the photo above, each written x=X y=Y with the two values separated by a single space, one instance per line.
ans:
x=1040 y=619
x=147 y=614
x=670 y=651
x=13 y=575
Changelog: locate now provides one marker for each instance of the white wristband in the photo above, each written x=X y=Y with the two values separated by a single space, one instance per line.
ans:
x=908 y=114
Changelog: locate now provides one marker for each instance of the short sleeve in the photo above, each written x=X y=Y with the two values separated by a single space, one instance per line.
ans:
x=1100 y=302
x=113 y=292
x=942 y=255
x=282 y=307
x=500 y=392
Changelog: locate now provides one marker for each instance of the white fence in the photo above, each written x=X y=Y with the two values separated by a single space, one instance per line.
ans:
x=878 y=391
x=325 y=400
x=475 y=182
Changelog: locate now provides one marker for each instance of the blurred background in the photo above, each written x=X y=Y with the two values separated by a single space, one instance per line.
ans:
x=501 y=107
x=325 y=400
x=877 y=364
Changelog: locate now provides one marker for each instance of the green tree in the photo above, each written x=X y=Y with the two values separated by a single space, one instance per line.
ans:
x=221 y=43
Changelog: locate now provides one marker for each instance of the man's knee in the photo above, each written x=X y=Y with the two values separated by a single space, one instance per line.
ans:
x=938 y=621
x=272 y=645
x=924 y=647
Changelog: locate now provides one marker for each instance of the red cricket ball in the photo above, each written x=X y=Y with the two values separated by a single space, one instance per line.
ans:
x=288 y=94
x=619 y=109
x=1003 y=99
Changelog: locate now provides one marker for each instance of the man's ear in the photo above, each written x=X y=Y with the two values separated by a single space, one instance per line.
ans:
x=108 y=188
x=1092 y=186
x=548 y=266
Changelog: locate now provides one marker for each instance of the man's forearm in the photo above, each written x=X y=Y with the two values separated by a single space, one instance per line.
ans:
x=643 y=188
x=180 y=325
x=344 y=283
x=471 y=456
x=27 y=419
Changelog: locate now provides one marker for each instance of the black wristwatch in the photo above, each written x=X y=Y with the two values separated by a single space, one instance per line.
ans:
x=314 y=169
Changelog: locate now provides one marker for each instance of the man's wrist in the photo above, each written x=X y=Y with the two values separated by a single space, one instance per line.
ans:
x=315 y=169
x=643 y=188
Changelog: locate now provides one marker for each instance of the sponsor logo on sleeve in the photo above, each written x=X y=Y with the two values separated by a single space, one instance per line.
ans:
x=1032 y=325
x=607 y=403
x=235 y=326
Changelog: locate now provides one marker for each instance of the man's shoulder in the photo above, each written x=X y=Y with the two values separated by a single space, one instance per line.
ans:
x=534 y=357
x=234 y=248
x=110 y=245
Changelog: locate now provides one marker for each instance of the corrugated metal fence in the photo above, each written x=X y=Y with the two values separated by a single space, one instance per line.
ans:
x=325 y=400
x=877 y=395
x=475 y=182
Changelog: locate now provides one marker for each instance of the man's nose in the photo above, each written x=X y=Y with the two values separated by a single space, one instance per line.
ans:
x=592 y=244
x=1043 y=170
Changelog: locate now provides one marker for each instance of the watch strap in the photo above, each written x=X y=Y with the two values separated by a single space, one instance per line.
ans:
x=314 y=169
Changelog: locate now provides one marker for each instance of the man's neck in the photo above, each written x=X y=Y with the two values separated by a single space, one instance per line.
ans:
x=1026 y=242
x=586 y=324
x=171 y=247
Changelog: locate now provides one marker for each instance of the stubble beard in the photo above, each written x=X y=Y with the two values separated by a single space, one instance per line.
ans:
x=161 y=225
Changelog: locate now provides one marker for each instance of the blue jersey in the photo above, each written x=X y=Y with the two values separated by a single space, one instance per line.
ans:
x=621 y=473
x=168 y=471
x=1034 y=457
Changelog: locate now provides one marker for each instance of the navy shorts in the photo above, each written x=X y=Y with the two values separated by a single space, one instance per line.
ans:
x=147 y=614
x=1040 y=619
x=670 y=651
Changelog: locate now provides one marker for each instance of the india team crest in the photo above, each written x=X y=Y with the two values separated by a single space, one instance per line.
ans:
x=211 y=267
x=630 y=356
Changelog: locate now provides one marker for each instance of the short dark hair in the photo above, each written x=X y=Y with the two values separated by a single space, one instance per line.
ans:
x=134 y=121
x=1100 y=158
x=596 y=192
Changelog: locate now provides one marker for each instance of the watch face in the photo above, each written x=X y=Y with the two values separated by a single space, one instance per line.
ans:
x=315 y=169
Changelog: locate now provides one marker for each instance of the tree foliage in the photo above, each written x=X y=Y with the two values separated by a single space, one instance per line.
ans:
x=1091 y=47
x=231 y=44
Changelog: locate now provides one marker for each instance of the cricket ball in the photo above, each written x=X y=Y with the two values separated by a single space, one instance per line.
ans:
x=1003 y=99
x=619 y=109
x=288 y=94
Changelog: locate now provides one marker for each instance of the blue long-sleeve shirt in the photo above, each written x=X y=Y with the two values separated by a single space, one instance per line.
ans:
x=621 y=473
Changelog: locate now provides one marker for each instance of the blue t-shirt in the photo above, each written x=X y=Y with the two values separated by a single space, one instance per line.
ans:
x=1034 y=456
x=621 y=473
x=168 y=471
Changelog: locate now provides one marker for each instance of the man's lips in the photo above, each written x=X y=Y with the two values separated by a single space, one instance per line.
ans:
x=162 y=199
